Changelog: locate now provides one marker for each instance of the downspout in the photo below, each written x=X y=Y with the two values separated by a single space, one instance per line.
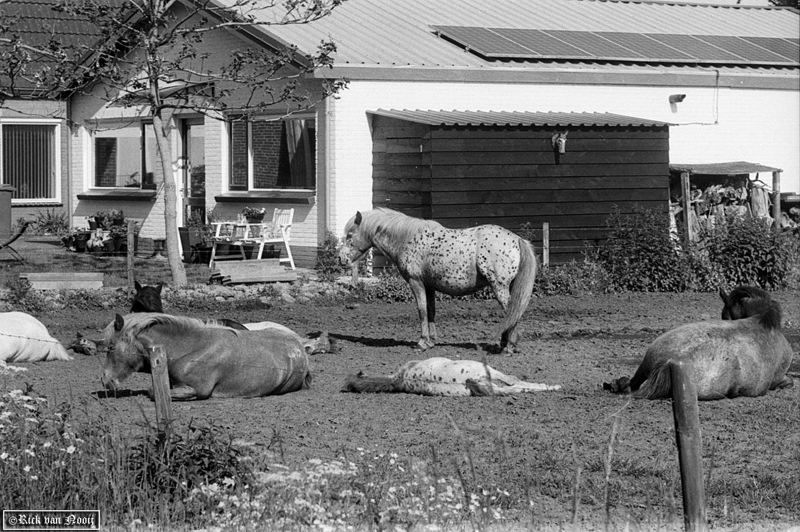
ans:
x=70 y=133
x=329 y=174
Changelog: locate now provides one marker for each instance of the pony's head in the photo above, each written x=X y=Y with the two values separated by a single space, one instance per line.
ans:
x=747 y=301
x=125 y=354
x=147 y=298
x=356 y=241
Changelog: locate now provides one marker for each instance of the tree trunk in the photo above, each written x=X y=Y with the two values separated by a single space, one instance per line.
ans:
x=170 y=200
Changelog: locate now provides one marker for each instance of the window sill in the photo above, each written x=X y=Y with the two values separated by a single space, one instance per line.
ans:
x=304 y=197
x=119 y=194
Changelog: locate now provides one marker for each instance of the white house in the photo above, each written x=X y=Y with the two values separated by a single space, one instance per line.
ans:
x=725 y=78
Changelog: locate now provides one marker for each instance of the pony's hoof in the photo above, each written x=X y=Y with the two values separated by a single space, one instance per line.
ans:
x=423 y=345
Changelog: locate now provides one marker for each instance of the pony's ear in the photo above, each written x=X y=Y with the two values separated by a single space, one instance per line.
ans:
x=80 y=336
x=119 y=323
x=358 y=218
x=137 y=286
x=722 y=294
x=159 y=287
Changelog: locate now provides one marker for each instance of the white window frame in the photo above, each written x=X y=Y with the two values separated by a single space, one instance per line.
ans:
x=90 y=164
x=57 y=157
x=251 y=157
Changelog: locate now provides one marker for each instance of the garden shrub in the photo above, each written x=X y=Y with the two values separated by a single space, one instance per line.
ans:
x=641 y=255
x=329 y=267
x=748 y=251
x=51 y=222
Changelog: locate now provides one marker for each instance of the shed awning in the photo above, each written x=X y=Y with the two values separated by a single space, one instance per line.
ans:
x=514 y=118
x=731 y=168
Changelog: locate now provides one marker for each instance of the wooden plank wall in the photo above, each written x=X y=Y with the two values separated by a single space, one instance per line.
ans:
x=509 y=176
x=401 y=166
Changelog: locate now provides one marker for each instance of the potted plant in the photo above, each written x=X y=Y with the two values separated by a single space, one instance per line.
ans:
x=253 y=215
x=99 y=219
x=196 y=239
x=114 y=217
x=119 y=235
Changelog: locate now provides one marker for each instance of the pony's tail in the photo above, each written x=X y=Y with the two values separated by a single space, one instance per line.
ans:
x=57 y=352
x=359 y=384
x=658 y=384
x=522 y=285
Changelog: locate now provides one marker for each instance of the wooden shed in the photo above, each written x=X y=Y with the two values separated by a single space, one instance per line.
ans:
x=468 y=168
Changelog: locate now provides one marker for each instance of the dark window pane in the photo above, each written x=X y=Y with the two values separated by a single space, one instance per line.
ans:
x=29 y=163
x=239 y=156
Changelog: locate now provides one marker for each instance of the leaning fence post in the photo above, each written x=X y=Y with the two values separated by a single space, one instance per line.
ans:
x=158 y=369
x=690 y=455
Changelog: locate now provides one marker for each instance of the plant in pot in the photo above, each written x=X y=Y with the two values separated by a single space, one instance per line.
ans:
x=99 y=219
x=119 y=235
x=196 y=239
x=114 y=217
x=254 y=215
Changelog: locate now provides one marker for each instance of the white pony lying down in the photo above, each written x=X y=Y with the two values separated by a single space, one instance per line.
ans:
x=442 y=376
x=23 y=338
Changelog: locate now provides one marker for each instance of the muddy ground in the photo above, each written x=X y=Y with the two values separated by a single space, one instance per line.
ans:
x=529 y=445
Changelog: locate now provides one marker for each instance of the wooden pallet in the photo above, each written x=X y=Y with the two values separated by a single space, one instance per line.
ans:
x=252 y=271
x=63 y=280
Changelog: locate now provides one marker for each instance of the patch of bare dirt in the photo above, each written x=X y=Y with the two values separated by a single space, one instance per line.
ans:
x=529 y=445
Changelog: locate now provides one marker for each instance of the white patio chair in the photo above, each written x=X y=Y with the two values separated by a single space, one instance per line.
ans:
x=226 y=233
x=278 y=233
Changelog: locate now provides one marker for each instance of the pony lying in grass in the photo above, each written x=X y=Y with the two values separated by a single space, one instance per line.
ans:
x=432 y=258
x=206 y=359
x=148 y=299
x=23 y=338
x=744 y=354
x=442 y=376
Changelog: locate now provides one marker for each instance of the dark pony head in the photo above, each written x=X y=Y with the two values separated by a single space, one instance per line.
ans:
x=147 y=298
x=747 y=301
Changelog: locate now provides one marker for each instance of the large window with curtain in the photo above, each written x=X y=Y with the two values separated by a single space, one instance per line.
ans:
x=125 y=156
x=29 y=160
x=267 y=154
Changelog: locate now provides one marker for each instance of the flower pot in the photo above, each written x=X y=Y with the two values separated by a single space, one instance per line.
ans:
x=108 y=247
x=99 y=221
x=80 y=242
x=120 y=244
x=254 y=219
x=92 y=224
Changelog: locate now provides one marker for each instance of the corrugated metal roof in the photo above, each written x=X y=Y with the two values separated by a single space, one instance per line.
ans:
x=514 y=118
x=399 y=33
x=731 y=168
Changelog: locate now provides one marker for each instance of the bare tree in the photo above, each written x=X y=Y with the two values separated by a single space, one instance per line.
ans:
x=151 y=53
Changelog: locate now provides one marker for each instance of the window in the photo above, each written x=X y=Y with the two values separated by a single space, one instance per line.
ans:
x=125 y=156
x=31 y=161
x=273 y=154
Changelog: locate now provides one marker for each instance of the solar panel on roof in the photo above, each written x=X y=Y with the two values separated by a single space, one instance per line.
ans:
x=595 y=43
x=485 y=42
x=542 y=43
x=742 y=48
x=783 y=47
x=702 y=51
x=520 y=43
x=650 y=48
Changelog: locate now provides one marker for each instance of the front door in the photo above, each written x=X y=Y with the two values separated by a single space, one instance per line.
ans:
x=193 y=163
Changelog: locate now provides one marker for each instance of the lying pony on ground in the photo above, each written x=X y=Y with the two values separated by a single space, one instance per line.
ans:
x=442 y=376
x=23 y=338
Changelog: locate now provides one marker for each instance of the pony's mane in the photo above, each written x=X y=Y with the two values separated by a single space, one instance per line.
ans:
x=137 y=322
x=401 y=225
x=756 y=302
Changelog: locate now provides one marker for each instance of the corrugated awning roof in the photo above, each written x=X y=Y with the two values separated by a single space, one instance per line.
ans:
x=514 y=118
x=731 y=168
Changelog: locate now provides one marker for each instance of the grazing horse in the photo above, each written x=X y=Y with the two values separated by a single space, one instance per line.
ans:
x=23 y=338
x=456 y=262
x=442 y=376
x=746 y=356
x=148 y=299
x=206 y=359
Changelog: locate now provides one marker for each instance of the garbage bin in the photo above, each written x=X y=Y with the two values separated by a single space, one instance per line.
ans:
x=6 y=192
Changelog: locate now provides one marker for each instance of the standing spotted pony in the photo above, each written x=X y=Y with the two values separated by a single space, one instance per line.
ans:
x=432 y=258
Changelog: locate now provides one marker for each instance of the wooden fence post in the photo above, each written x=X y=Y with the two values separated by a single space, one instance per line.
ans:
x=546 y=244
x=354 y=273
x=686 y=203
x=131 y=251
x=158 y=369
x=690 y=455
